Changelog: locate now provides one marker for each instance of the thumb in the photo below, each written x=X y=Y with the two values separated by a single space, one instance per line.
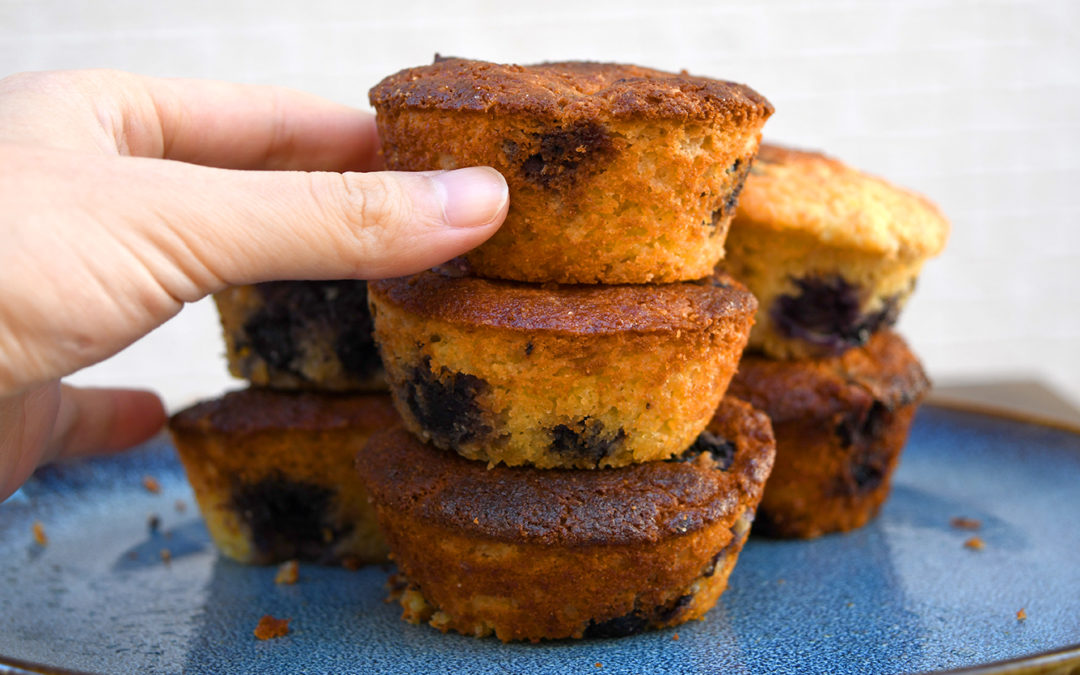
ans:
x=231 y=227
x=107 y=248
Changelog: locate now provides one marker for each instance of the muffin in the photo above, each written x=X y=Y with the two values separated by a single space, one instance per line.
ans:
x=301 y=335
x=530 y=554
x=831 y=253
x=617 y=173
x=583 y=376
x=273 y=473
x=840 y=425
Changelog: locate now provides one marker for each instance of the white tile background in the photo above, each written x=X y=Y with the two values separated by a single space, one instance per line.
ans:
x=974 y=103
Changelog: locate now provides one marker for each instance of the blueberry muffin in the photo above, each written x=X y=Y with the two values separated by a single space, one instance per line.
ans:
x=617 y=173
x=840 y=425
x=273 y=473
x=583 y=376
x=530 y=554
x=301 y=335
x=830 y=252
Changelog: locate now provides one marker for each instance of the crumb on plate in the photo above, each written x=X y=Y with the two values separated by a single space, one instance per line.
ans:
x=270 y=628
x=975 y=544
x=1021 y=615
x=151 y=484
x=962 y=523
x=40 y=538
x=287 y=573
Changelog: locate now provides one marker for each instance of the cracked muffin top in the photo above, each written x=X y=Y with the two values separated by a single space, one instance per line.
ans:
x=570 y=90
x=449 y=294
x=254 y=410
x=712 y=480
x=810 y=193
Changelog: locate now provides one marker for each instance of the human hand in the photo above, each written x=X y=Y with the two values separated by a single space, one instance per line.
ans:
x=123 y=197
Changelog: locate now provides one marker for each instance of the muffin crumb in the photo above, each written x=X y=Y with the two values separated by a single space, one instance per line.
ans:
x=975 y=544
x=151 y=484
x=1021 y=614
x=288 y=573
x=962 y=523
x=40 y=538
x=270 y=628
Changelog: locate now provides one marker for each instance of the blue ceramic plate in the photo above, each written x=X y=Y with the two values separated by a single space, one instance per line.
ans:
x=903 y=594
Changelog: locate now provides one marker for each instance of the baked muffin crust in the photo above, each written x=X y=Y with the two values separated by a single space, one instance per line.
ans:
x=617 y=173
x=568 y=91
x=831 y=253
x=544 y=554
x=273 y=473
x=301 y=335
x=840 y=425
x=558 y=376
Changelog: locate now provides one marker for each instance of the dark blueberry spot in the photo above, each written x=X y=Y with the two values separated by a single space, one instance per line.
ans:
x=293 y=310
x=357 y=352
x=869 y=462
x=710 y=569
x=153 y=523
x=664 y=614
x=621 y=626
x=721 y=449
x=637 y=621
x=585 y=439
x=826 y=313
x=287 y=519
x=510 y=149
x=529 y=349
x=270 y=335
x=739 y=170
x=737 y=187
x=561 y=154
x=444 y=403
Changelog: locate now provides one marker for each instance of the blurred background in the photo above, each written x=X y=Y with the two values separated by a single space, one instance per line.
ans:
x=975 y=103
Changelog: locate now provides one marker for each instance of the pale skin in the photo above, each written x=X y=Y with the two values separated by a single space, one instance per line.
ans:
x=124 y=197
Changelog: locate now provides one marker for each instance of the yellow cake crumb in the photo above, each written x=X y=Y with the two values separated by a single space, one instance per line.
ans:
x=151 y=484
x=270 y=628
x=288 y=573
x=975 y=544
x=39 y=534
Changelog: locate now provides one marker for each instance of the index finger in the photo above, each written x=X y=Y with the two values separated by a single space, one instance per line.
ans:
x=217 y=124
x=238 y=126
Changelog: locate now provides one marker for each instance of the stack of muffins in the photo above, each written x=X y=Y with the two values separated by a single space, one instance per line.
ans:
x=832 y=254
x=560 y=454
x=272 y=465
x=568 y=465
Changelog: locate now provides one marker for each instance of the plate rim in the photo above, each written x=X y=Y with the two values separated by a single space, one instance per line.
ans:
x=1061 y=660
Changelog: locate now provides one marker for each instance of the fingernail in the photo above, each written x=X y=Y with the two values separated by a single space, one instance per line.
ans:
x=471 y=197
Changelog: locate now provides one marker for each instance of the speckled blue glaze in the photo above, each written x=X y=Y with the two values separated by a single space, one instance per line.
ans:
x=901 y=595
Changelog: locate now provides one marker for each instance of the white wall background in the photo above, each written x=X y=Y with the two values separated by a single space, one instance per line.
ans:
x=974 y=103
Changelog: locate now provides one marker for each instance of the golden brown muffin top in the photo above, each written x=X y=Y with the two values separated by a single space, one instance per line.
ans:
x=451 y=294
x=884 y=369
x=570 y=90
x=254 y=410
x=807 y=192
x=642 y=503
